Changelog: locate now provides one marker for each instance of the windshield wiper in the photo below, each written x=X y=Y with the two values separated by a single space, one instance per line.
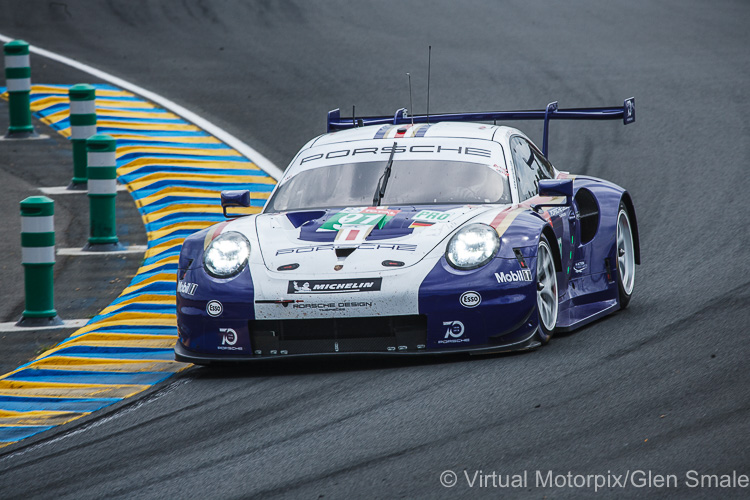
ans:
x=383 y=181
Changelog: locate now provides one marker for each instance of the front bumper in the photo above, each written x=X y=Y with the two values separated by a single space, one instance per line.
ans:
x=436 y=320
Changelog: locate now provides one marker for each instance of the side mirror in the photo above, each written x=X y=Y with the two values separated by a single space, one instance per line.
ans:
x=557 y=187
x=234 y=199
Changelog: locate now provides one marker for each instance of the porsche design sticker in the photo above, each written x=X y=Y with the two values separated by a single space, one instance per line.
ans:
x=335 y=286
x=332 y=306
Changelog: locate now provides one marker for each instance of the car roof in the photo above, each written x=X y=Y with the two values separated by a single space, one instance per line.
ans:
x=468 y=130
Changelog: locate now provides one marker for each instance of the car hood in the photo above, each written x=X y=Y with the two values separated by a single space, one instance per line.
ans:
x=357 y=239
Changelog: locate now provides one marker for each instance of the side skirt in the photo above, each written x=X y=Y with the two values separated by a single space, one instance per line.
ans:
x=595 y=311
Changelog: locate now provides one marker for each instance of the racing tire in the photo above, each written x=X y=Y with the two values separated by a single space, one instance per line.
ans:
x=625 y=255
x=546 y=291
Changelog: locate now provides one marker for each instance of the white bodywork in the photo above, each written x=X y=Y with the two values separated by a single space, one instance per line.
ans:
x=276 y=242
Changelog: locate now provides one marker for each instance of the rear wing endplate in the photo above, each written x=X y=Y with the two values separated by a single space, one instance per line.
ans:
x=626 y=112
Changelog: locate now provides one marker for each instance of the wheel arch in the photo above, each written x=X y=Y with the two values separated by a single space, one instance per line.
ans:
x=628 y=202
x=549 y=233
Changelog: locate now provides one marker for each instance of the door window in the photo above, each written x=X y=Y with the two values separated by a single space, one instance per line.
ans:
x=531 y=166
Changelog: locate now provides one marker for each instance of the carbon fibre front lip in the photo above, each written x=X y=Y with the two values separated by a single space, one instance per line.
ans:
x=187 y=356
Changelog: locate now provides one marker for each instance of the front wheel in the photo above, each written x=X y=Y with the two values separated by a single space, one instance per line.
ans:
x=546 y=291
x=625 y=257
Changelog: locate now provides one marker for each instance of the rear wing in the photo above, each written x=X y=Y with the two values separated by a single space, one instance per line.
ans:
x=626 y=112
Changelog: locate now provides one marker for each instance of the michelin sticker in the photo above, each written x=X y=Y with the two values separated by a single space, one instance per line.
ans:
x=335 y=286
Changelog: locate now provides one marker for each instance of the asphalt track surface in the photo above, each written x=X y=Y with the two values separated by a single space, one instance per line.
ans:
x=660 y=387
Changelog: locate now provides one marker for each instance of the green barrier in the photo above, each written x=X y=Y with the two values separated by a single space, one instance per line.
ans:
x=38 y=258
x=18 y=81
x=102 y=185
x=82 y=126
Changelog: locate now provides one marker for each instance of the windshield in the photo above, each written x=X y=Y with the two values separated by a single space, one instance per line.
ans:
x=412 y=182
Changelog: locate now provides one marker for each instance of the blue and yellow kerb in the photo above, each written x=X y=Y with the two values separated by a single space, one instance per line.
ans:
x=174 y=172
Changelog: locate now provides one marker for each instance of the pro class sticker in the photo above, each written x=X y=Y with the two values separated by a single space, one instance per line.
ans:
x=427 y=218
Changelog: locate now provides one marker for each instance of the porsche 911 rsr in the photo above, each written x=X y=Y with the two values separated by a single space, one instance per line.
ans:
x=410 y=235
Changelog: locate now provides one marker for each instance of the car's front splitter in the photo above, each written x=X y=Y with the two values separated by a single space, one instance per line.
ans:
x=185 y=355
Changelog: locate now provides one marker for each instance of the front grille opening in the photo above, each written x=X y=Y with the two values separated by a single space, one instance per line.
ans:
x=308 y=336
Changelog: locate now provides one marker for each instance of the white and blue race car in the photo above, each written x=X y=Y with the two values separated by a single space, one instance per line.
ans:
x=411 y=235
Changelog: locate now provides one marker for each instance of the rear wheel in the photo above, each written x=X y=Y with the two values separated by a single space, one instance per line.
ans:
x=546 y=291
x=625 y=257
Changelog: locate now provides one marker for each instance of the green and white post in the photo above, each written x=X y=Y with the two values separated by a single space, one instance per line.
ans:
x=18 y=81
x=82 y=126
x=102 y=183
x=38 y=257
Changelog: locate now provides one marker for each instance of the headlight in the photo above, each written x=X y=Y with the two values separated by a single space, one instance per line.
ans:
x=226 y=255
x=472 y=247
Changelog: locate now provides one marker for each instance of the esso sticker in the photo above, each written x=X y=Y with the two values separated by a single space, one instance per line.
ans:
x=214 y=308
x=470 y=299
